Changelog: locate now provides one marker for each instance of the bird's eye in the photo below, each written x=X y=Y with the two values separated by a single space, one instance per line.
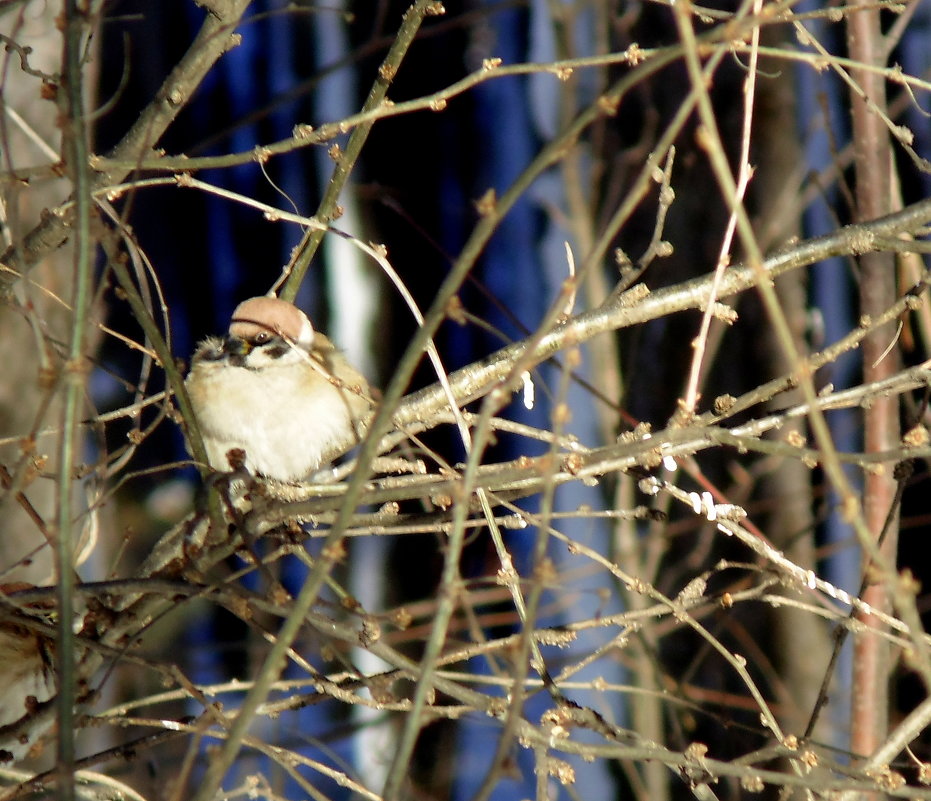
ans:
x=262 y=337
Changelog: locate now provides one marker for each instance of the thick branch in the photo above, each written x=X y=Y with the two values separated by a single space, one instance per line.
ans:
x=621 y=310
x=213 y=40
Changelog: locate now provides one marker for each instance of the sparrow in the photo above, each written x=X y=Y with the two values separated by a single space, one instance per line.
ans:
x=27 y=676
x=279 y=391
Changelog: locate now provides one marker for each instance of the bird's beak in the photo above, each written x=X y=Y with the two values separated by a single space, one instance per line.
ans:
x=236 y=349
x=235 y=346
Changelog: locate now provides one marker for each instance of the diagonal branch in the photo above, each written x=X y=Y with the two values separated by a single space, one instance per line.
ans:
x=213 y=40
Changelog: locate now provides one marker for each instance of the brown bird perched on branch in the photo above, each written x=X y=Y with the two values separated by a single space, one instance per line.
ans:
x=27 y=675
x=278 y=390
